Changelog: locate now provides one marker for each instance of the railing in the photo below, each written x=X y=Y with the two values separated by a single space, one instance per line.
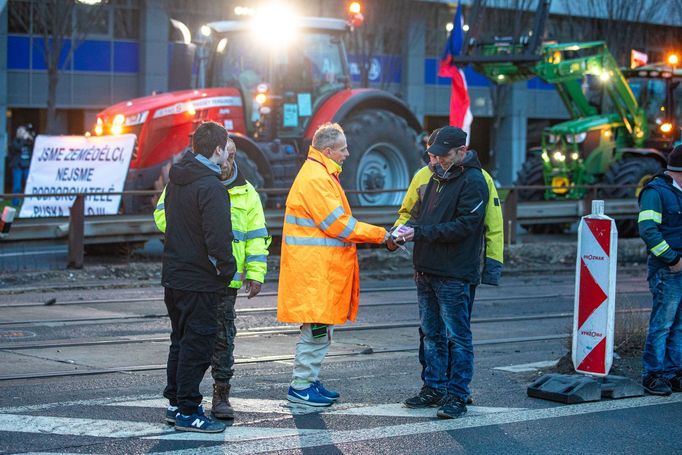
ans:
x=80 y=230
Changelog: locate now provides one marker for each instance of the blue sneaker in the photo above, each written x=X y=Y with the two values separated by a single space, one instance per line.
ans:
x=334 y=395
x=172 y=412
x=310 y=396
x=198 y=422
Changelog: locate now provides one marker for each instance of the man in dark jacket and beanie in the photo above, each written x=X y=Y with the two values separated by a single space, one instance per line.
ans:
x=448 y=235
x=660 y=226
x=197 y=268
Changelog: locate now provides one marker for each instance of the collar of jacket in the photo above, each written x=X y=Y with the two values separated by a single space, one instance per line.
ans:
x=333 y=168
x=206 y=162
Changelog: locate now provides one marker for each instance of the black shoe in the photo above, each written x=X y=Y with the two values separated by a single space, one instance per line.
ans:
x=657 y=385
x=427 y=398
x=452 y=408
x=676 y=382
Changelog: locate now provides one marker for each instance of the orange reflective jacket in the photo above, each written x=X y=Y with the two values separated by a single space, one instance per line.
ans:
x=319 y=278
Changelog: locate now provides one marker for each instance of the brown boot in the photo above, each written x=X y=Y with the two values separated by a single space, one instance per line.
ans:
x=221 y=407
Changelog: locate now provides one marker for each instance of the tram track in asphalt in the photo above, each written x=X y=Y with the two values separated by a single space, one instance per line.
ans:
x=285 y=330
x=259 y=310
x=9 y=291
x=272 y=359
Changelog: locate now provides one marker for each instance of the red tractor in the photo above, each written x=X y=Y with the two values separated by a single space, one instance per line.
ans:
x=272 y=83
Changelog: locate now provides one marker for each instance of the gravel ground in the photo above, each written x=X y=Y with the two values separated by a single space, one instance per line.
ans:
x=144 y=268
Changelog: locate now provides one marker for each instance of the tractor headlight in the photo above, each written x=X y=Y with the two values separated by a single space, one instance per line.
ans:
x=575 y=156
x=559 y=156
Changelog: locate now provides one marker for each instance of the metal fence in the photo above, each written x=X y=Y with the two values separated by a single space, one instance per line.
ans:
x=78 y=230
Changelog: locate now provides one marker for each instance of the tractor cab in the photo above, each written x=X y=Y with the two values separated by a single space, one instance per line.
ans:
x=658 y=92
x=283 y=73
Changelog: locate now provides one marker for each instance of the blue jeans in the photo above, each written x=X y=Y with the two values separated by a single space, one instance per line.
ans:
x=663 y=349
x=19 y=177
x=444 y=311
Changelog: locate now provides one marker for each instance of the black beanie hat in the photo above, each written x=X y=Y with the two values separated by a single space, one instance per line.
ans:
x=675 y=159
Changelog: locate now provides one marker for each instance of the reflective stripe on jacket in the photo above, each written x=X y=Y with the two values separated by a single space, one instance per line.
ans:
x=251 y=239
x=319 y=278
x=494 y=224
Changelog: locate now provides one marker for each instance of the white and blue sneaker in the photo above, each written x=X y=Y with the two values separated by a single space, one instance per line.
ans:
x=173 y=411
x=332 y=394
x=198 y=422
x=310 y=396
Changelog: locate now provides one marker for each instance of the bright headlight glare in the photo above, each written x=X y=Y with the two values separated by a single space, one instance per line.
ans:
x=575 y=156
x=545 y=157
x=222 y=44
x=99 y=127
x=261 y=98
x=119 y=119
x=274 y=26
x=666 y=127
x=558 y=156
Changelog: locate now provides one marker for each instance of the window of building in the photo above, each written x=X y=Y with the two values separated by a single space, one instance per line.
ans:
x=126 y=23
x=19 y=17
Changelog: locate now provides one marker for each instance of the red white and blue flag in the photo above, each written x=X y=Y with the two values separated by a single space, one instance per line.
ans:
x=460 y=107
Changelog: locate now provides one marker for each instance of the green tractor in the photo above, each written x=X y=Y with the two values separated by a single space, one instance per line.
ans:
x=623 y=122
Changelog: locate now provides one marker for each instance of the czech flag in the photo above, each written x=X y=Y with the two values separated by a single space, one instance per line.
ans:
x=460 y=107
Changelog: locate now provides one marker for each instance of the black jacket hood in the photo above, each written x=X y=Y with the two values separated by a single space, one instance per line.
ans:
x=189 y=170
x=470 y=161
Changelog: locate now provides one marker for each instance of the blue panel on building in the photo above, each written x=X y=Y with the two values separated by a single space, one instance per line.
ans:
x=18 y=52
x=539 y=84
x=126 y=58
x=384 y=68
x=38 y=60
x=93 y=55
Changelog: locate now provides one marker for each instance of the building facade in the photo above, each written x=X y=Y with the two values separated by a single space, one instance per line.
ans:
x=126 y=50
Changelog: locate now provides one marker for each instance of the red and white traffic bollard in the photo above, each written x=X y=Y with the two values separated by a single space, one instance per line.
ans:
x=595 y=293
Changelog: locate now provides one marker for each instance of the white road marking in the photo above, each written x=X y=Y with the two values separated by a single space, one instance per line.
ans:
x=398 y=410
x=247 y=405
x=526 y=367
x=325 y=437
x=80 y=427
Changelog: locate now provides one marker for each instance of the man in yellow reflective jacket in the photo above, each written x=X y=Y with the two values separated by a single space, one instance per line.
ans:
x=250 y=250
x=319 y=281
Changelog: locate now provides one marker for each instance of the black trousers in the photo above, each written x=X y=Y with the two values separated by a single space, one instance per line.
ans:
x=194 y=326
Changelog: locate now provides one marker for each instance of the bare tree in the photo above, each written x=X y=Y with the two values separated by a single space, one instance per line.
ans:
x=622 y=24
x=62 y=24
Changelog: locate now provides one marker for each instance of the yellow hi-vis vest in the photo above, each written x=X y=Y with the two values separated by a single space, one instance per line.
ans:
x=251 y=239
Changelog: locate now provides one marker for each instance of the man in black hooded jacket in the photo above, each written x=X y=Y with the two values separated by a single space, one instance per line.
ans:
x=197 y=268
x=448 y=235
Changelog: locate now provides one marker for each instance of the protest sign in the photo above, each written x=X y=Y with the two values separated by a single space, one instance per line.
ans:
x=77 y=164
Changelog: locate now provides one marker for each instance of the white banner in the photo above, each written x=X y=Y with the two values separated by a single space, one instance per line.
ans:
x=77 y=164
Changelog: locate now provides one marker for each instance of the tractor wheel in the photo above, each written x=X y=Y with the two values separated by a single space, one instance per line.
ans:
x=248 y=168
x=383 y=155
x=531 y=173
x=632 y=170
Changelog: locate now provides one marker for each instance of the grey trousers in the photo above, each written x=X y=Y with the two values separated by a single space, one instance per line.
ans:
x=311 y=349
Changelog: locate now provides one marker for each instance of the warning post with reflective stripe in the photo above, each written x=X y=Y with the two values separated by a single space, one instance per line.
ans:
x=593 y=320
x=595 y=293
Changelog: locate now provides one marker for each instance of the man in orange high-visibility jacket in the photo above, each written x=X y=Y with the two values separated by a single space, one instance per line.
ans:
x=319 y=279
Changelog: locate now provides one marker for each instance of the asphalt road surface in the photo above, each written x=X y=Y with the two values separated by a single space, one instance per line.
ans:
x=85 y=375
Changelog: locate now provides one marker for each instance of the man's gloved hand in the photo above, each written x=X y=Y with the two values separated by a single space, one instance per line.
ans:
x=253 y=287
